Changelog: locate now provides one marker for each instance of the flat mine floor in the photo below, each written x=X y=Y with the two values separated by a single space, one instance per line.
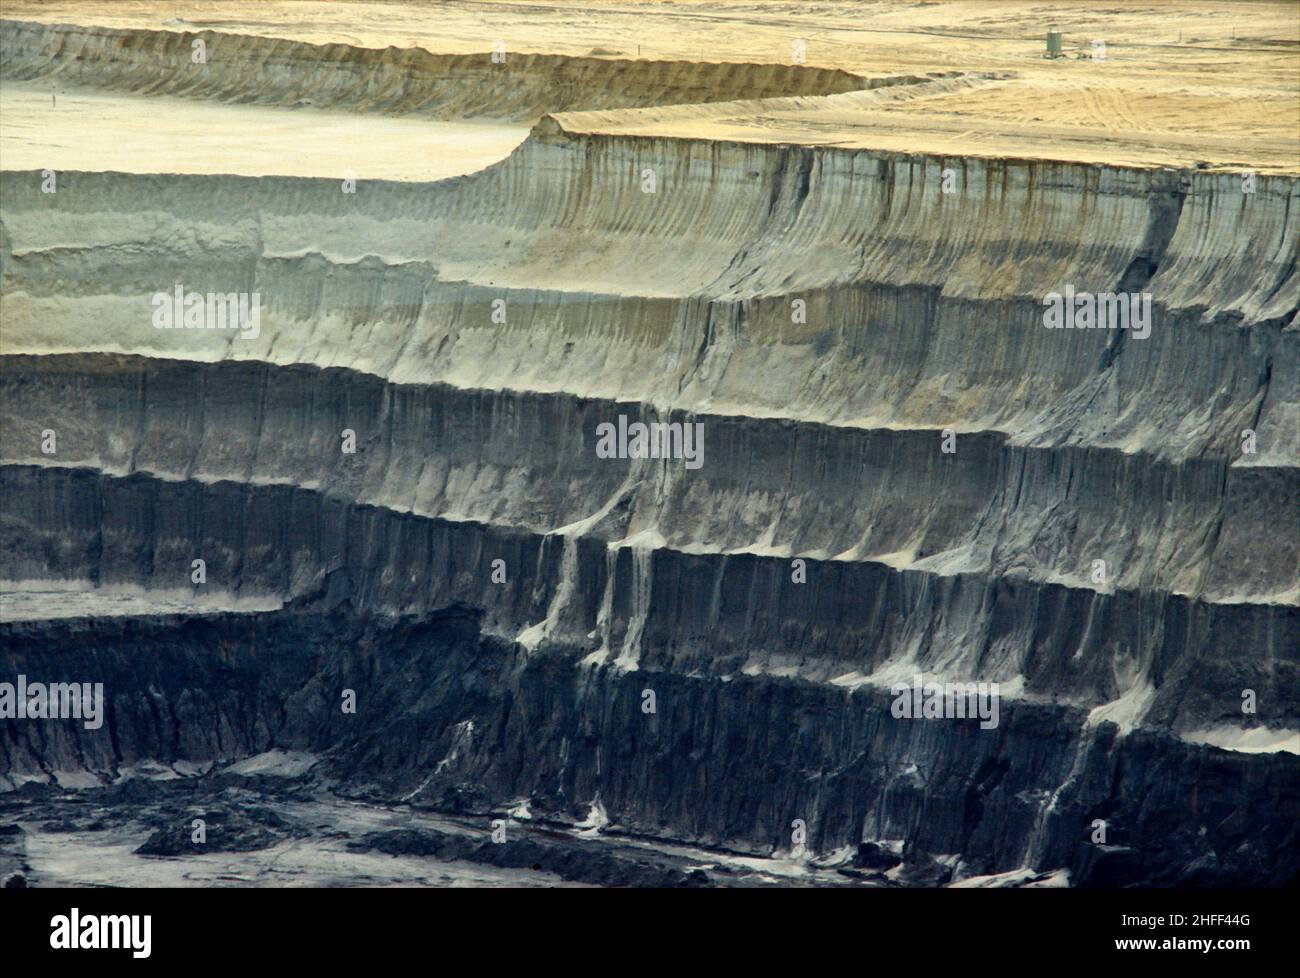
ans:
x=52 y=127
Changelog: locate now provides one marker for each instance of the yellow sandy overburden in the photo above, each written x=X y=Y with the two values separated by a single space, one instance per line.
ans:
x=1183 y=80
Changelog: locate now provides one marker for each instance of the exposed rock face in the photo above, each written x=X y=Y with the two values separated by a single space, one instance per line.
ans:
x=391 y=81
x=1101 y=542
x=462 y=721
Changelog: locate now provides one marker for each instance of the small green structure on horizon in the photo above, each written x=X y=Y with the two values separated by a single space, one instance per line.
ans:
x=1054 y=45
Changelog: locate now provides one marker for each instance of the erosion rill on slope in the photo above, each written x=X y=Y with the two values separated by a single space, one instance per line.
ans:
x=397 y=478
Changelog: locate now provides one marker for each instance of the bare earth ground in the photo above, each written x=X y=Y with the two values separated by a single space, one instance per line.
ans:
x=85 y=130
x=1212 y=82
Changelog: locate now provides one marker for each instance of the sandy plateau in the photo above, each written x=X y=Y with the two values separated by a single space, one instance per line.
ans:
x=1184 y=82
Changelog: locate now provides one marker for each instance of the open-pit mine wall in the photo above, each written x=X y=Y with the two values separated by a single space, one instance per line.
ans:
x=254 y=70
x=903 y=472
